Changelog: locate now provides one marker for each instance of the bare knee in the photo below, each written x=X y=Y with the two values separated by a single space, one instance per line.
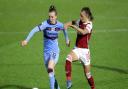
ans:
x=87 y=71
x=88 y=75
x=72 y=57
x=69 y=58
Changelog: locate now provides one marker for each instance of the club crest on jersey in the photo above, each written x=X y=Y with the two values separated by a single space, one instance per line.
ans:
x=48 y=28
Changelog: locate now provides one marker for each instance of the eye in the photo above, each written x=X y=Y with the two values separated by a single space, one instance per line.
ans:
x=51 y=16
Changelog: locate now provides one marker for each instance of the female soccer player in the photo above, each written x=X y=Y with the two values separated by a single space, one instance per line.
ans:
x=81 y=52
x=50 y=29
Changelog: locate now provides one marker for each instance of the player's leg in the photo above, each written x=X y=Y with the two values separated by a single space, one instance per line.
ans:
x=68 y=67
x=56 y=85
x=89 y=76
x=85 y=59
x=50 y=70
x=51 y=65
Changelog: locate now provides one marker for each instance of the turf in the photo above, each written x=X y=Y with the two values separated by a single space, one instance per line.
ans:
x=23 y=67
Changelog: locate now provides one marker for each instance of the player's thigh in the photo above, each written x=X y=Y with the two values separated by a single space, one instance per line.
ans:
x=46 y=59
x=51 y=64
x=85 y=57
x=72 y=55
x=53 y=59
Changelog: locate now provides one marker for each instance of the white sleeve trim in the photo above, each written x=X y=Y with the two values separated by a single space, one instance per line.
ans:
x=89 y=27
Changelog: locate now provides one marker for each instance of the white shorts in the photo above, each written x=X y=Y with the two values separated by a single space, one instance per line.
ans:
x=83 y=55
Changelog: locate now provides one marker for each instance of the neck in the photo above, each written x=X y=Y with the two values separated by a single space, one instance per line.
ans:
x=53 y=22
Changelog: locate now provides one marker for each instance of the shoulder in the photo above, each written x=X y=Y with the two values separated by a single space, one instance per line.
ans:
x=89 y=23
x=88 y=26
x=60 y=23
x=44 y=22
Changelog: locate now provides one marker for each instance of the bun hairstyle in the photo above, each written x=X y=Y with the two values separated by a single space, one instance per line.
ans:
x=88 y=12
x=52 y=8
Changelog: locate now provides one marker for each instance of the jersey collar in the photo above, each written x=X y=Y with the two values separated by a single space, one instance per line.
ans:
x=48 y=21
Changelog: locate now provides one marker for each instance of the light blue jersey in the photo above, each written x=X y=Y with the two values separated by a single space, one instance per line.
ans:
x=50 y=34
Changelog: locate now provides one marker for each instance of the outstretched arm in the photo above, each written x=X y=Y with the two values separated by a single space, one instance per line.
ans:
x=74 y=25
x=40 y=27
x=33 y=31
x=36 y=29
x=82 y=31
x=67 y=25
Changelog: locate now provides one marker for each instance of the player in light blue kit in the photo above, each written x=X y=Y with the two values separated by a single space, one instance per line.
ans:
x=50 y=29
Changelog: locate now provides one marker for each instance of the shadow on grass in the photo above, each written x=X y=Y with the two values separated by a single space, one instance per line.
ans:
x=114 y=69
x=14 y=87
x=119 y=70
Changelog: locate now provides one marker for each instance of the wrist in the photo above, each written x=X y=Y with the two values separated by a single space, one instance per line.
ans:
x=75 y=27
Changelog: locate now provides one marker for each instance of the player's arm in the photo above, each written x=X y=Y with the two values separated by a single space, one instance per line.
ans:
x=82 y=31
x=67 y=25
x=31 y=34
x=74 y=25
x=66 y=37
x=62 y=26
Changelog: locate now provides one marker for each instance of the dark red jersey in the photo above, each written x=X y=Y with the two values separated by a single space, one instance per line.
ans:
x=82 y=40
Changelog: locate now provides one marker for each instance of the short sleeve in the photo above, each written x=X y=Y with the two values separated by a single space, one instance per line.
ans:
x=89 y=27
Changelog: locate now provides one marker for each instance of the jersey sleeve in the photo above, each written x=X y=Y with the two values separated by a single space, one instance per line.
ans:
x=89 y=27
x=64 y=31
x=32 y=32
x=66 y=35
x=61 y=26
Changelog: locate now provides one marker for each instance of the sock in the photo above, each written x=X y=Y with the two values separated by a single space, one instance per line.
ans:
x=91 y=82
x=68 y=69
x=56 y=84
x=51 y=78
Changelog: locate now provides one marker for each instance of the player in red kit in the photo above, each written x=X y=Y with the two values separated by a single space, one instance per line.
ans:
x=81 y=52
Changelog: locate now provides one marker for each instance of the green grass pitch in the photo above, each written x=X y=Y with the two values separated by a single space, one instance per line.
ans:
x=23 y=67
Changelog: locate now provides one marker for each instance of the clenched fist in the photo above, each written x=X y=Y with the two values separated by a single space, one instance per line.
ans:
x=24 y=43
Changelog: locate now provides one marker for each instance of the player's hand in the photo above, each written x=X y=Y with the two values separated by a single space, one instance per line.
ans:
x=68 y=43
x=73 y=26
x=24 y=43
x=67 y=25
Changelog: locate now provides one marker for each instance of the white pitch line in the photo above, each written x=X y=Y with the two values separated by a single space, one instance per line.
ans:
x=13 y=32
x=72 y=31
x=105 y=31
x=116 y=30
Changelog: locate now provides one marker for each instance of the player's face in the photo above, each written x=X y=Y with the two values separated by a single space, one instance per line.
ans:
x=83 y=16
x=52 y=17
